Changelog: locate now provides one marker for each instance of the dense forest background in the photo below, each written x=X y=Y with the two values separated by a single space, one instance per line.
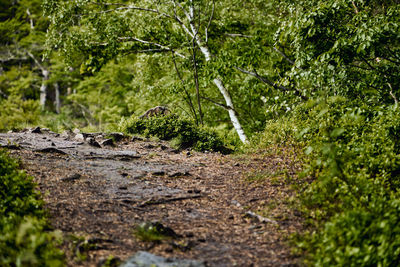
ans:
x=320 y=75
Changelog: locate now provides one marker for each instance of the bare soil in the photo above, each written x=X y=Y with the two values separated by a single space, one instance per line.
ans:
x=98 y=196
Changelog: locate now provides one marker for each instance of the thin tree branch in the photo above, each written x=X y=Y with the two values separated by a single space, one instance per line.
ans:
x=284 y=55
x=216 y=103
x=156 y=11
x=266 y=81
x=183 y=10
x=238 y=35
x=150 y=43
x=209 y=21
x=196 y=80
x=355 y=7
x=36 y=61
x=108 y=4
x=184 y=88
x=179 y=20
x=30 y=18
x=392 y=94
x=394 y=54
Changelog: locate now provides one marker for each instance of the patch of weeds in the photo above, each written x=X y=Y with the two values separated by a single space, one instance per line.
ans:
x=154 y=232
x=26 y=238
x=111 y=261
x=255 y=176
x=276 y=178
x=81 y=246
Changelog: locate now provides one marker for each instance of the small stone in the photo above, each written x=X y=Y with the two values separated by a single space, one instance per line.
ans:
x=136 y=138
x=158 y=173
x=50 y=150
x=36 y=130
x=116 y=136
x=107 y=142
x=189 y=234
x=79 y=137
x=71 y=178
x=76 y=131
x=176 y=174
x=64 y=134
x=143 y=258
x=91 y=141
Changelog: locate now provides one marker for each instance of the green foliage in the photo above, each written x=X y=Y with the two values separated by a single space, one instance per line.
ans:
x=16 y=113
x=185 y=132
x=153 y=232
x=354 y=160
x=364 y=236
x=25 y=239
x=347 y=48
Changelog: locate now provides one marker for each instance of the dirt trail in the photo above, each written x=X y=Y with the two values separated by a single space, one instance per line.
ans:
x=103 y=192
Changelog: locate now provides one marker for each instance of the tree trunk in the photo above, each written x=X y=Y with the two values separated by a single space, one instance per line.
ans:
x=43 y=88
x=228 y=100
x=57 y=102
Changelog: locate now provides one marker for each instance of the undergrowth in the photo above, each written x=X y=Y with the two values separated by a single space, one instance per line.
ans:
x=25 y=236
x=183 y=133
x=353 y=203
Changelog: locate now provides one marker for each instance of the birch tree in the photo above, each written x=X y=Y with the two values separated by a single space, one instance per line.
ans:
x=95 y=32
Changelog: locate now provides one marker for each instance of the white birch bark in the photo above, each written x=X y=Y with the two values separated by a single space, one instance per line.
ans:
x=57 y=102
x=228 y=100
x=217 y=81
x=43 y=88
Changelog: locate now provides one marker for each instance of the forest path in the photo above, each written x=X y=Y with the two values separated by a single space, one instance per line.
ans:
x=102 y=193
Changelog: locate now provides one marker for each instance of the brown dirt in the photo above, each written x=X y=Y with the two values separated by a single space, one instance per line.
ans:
x=101 y=194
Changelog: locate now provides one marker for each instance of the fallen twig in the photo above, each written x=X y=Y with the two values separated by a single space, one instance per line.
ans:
x=166 y=200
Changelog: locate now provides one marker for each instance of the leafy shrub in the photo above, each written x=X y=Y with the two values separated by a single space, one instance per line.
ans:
x=365 y=236
x=25 y=239
x=184 y=132
x=353 y=156
x=17 y=113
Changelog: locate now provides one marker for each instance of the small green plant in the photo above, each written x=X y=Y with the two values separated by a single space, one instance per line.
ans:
x=184 y=133
x=111 y=261
x=154 y=232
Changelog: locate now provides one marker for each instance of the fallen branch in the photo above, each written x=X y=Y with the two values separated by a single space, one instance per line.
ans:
x=151 y=202
x=260 y=218
x=254 y=215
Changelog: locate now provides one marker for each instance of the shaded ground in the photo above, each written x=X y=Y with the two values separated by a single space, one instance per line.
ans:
x=101 y=194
